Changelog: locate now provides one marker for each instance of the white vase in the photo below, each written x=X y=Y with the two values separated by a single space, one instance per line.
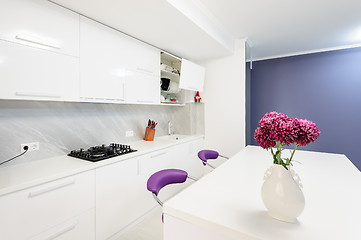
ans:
x=282 y=196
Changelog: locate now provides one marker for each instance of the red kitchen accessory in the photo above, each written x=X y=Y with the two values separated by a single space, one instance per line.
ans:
x=197 y=97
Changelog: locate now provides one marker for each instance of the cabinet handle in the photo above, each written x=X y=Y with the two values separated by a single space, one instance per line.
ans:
x=124 y=91
x=144 y=101
x=113 y=99
x=157 y=155
x=62 y=231
x=33 y=94
x=51 y=188
x=144 y=70
x=36 y=41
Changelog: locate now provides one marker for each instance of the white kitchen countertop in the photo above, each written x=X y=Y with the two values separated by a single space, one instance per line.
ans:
x=228 y=200
x=21 y=176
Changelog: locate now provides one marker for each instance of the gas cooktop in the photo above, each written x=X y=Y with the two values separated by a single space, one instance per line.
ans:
x=102 y=152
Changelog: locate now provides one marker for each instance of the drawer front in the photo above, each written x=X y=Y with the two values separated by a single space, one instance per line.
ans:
x=39 y=208
x=80 y=227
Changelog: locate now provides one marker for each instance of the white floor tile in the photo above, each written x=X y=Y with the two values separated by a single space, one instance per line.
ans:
x=151 y=228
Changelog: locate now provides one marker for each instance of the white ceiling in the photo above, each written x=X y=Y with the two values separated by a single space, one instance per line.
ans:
x=203 y=29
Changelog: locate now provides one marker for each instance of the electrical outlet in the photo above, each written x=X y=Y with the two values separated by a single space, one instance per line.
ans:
x=34 y=146
x=129 y=133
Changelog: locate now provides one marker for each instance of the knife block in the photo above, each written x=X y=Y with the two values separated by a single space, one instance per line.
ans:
x=149 y=134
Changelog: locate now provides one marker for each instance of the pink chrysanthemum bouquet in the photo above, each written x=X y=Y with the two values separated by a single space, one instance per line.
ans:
x=276 y=130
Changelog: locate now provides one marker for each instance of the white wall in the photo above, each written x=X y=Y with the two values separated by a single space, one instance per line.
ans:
x=224 y=98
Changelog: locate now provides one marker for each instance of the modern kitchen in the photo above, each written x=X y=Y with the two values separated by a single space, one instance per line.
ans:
x=105 y=104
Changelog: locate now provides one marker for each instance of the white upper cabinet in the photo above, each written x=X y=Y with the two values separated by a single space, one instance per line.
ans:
x=40 y=24
x=39 y=45
x=141 y=87
x=115 y=67
x=102 y=70
x=144 y=58
x=192 y=76
x=35 y=74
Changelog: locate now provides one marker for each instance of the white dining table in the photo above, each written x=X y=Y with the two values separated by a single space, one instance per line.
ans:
x=226 y=203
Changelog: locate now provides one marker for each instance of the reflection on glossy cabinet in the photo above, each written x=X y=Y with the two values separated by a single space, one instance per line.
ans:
x=79 y=227
x=38 y=60
x=40 y=24
x=46 y=206
x=185 y=156
x=117 y=197
x=36 y=74
x=102 y=65
x=142 y=87
x=149 y=164
x=115 y=67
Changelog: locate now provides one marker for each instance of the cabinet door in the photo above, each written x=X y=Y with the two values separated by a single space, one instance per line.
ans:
x=185 y=157
x=40 y=24
x=79 y=227
x=142 y=87
x=192 y=163
x=192 y=76
x=145 y=58
x=117 y=197
x=31 y=211
x=149 y=164
x=35 y=74
x=102 y=62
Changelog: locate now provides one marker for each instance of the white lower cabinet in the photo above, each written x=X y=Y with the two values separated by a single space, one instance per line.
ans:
x=148 y=165
x=96 y=204
x=121 y=188
x=184 y=156
x=191 y=163
x=79 y=227
x=116 y=197
x=30 y=212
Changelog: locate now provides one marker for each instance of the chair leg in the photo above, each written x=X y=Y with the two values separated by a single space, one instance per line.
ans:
x=157 y=199
x=209 y=165
x=193 y=178
x=223 y=156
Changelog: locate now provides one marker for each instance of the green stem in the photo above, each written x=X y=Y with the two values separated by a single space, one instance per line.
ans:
x=294 y=150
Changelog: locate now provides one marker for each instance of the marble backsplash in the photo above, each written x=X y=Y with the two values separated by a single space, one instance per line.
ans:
x=60 y=127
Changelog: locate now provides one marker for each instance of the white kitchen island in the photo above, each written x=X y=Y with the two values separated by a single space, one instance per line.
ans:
x=226 y=203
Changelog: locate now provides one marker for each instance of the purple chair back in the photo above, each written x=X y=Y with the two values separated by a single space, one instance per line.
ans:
x=204 y=155
x=165 y=177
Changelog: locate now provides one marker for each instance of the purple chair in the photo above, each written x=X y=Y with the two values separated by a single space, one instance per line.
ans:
x=165 y=177
x=205 y=155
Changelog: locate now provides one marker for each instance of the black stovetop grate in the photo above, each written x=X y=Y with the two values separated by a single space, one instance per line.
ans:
x=102 y=152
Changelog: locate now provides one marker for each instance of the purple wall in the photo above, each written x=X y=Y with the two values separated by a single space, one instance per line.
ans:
x=322 y=87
